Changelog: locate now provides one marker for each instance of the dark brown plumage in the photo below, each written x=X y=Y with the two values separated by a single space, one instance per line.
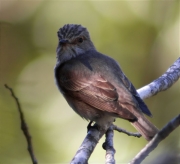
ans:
x=94 y=85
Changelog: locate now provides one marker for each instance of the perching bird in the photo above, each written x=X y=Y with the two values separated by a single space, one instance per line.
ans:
x=94 y=85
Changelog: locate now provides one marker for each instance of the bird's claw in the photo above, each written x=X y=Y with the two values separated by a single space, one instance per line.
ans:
x=90 y=126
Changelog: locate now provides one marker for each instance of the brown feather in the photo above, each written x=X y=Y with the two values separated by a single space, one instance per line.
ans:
x=96 y=92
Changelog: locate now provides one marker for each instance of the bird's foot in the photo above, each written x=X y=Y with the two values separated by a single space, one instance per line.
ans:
x=90 y=126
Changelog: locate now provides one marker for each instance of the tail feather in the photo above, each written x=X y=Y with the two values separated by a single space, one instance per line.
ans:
x=145 y=127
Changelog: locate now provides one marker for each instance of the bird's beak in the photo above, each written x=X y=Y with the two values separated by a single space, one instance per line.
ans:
x=63 y=41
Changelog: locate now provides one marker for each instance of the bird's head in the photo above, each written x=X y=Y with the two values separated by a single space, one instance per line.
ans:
x=73 y=41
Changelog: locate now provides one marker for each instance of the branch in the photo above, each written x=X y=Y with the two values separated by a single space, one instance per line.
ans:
x=108 y=146
x=161 y=135
x=162 y=83
x=85 y=150
x=125 y=131
x=24 y=127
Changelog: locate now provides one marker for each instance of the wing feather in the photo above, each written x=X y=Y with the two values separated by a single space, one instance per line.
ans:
x=131 y=88
x=98 y=93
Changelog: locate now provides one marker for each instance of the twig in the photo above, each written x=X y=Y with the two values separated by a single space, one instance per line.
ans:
x=162 y=134
x=108 y=146
x=24 y=127
x=126 y=132
x=162 y=83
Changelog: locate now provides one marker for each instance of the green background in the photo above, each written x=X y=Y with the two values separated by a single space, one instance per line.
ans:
x=143 y=36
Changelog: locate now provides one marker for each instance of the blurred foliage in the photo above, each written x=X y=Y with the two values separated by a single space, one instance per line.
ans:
x=143 y=36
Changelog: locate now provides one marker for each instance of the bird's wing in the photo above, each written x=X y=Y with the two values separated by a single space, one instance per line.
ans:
x=133 y=91
x=97 y=92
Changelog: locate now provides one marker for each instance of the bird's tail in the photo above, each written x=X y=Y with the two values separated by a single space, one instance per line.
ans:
x=145 y=127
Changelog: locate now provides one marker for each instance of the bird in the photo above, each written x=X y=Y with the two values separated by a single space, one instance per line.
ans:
x=94 y=84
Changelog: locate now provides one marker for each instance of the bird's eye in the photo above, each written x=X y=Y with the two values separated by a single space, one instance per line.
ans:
x=80 y=40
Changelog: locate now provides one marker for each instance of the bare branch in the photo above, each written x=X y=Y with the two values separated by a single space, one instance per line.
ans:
x=126 y=132
x=162 y=134
x=24 y=127
x=162 y=83
x=108 y=146
x=88 y=145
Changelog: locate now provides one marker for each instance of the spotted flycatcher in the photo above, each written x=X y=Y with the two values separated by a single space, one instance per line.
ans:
x=94 y=85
